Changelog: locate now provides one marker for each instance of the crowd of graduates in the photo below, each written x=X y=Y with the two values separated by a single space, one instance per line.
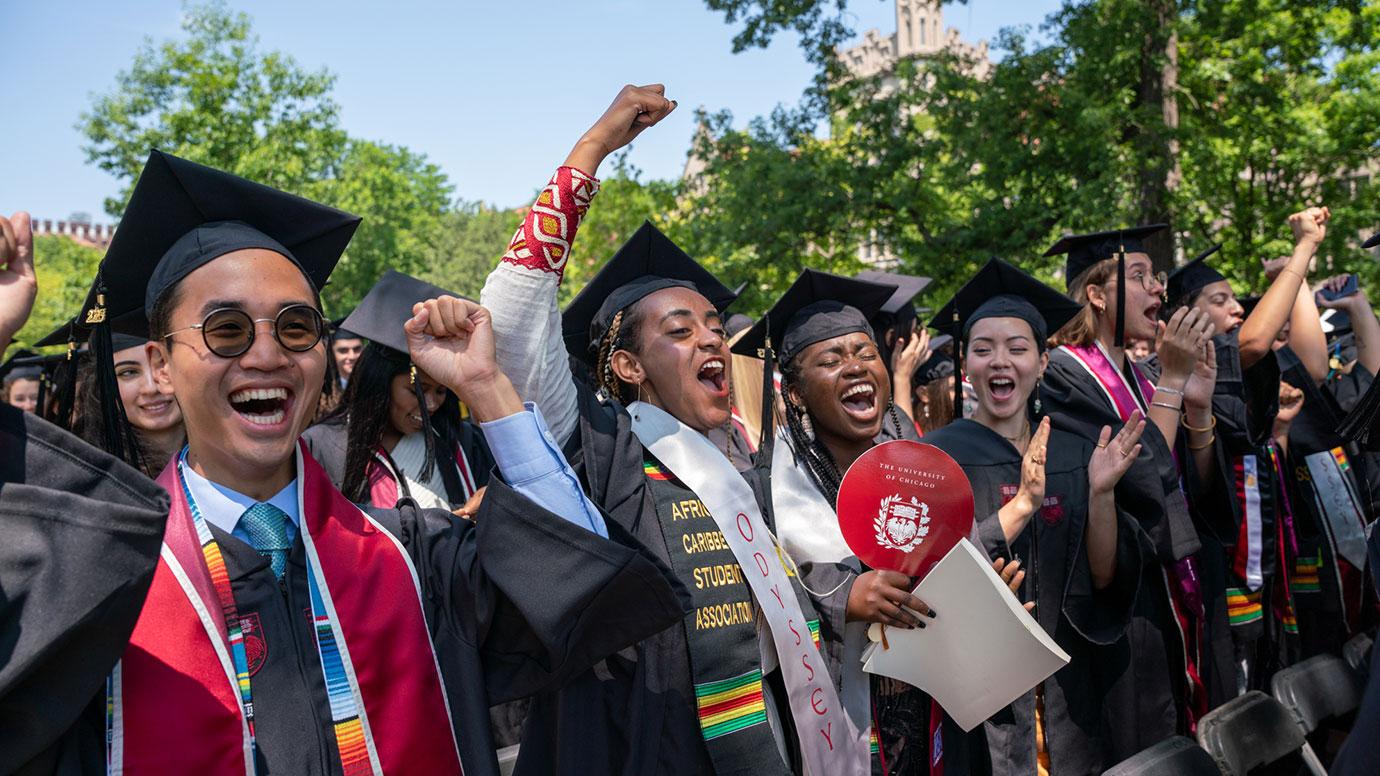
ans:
x=236 y=537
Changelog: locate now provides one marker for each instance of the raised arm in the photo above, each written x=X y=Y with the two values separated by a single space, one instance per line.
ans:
x=18 y=286
x=521 y=291
x=1363 y=322
x=1289 y=299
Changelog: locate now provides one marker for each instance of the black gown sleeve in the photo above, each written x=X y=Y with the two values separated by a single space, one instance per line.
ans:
x=542 y=599
x=1102 y=616
x=79 y=540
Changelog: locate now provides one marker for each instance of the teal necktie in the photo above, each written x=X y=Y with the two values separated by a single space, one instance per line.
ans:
x=267 y=528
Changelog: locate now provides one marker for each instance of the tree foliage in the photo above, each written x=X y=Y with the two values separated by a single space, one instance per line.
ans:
x=1221 y=116
x=216 y=97
x=57 y=261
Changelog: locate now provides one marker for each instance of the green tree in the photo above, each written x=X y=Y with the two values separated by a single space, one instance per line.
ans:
x=1218 y=116
x=216 y=97
x=58 y=262
x=469 y=243
x=402 y=198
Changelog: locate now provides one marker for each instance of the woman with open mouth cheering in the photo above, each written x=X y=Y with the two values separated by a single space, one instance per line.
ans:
x=712 y=694
x=1044 y=495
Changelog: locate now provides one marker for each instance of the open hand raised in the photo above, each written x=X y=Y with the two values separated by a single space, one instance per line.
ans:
x=1113 y=456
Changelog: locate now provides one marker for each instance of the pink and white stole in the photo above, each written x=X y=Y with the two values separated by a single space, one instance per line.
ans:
x=383 y=478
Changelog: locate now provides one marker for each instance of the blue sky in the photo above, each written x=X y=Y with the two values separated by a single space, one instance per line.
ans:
x=494 y=92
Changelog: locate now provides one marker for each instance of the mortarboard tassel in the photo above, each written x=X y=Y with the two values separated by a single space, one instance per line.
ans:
x=66 y=388
x=766 y=435
x=958 y=375
x=116 y=432
x=1120 y=338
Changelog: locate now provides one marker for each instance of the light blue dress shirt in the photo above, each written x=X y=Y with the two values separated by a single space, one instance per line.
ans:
x=526 y=454
x=223 y=507
x=532 y=464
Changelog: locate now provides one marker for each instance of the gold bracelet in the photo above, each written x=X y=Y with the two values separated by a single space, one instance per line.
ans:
x=1297 y=274
x=1184 y=420
x=1204 y=445
x=1166 y=406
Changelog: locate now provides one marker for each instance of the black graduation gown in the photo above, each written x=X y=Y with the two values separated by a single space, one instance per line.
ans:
x=1144 y=670
x=66 y=506
x=1360 y=754
x=329 y=444
x=635 y=712
x=517 y=601
x=1244 y=403
x=1328 y=611
x=1059 y=580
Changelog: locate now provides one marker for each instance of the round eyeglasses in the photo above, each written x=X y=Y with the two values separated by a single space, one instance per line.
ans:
x=229 y=333
x=1149 y=280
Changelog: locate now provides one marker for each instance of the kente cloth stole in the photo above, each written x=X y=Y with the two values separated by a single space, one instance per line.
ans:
x=725 y=659
x=721 y=549
x=180 y=700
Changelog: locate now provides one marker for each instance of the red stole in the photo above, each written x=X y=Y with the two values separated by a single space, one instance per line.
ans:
x=177 y=709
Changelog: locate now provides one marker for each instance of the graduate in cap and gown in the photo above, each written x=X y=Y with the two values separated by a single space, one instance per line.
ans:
x=933 y=391
x=151 y=430
x=150 y=409
x=1045 y=496
x=286 y=630
x=739 y=685
x=1239 y=502
x=837 y=402
x=398 y=432
x=1090 y=383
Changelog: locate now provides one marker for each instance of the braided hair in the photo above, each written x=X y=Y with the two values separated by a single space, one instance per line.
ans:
x=824 y=470
x=622 y=335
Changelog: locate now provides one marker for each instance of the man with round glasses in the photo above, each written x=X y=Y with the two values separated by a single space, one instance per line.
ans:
x=284 y=629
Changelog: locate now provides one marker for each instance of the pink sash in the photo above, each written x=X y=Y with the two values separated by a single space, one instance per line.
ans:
x=383 y=480
x=177 y=710
x=1113 y=383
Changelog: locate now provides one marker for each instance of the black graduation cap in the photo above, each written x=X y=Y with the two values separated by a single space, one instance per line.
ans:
x=737 y=322
x=339 y=332
x=1085 y=250
x=21 y=366
x=818 y=306
x=379 y=318
x=940 y=363
x=1192 y=277
x=1372 y=241
x=648 y=262
x=180 y=217
x=999 y=290
x=907 y=288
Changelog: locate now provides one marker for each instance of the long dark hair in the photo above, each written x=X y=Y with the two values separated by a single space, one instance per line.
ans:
x=89 y=420
x=365 y=409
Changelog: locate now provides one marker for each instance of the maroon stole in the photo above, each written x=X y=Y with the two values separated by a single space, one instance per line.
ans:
x=176 y=706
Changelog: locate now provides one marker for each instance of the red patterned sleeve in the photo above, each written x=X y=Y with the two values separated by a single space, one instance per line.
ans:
x=543 y=240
